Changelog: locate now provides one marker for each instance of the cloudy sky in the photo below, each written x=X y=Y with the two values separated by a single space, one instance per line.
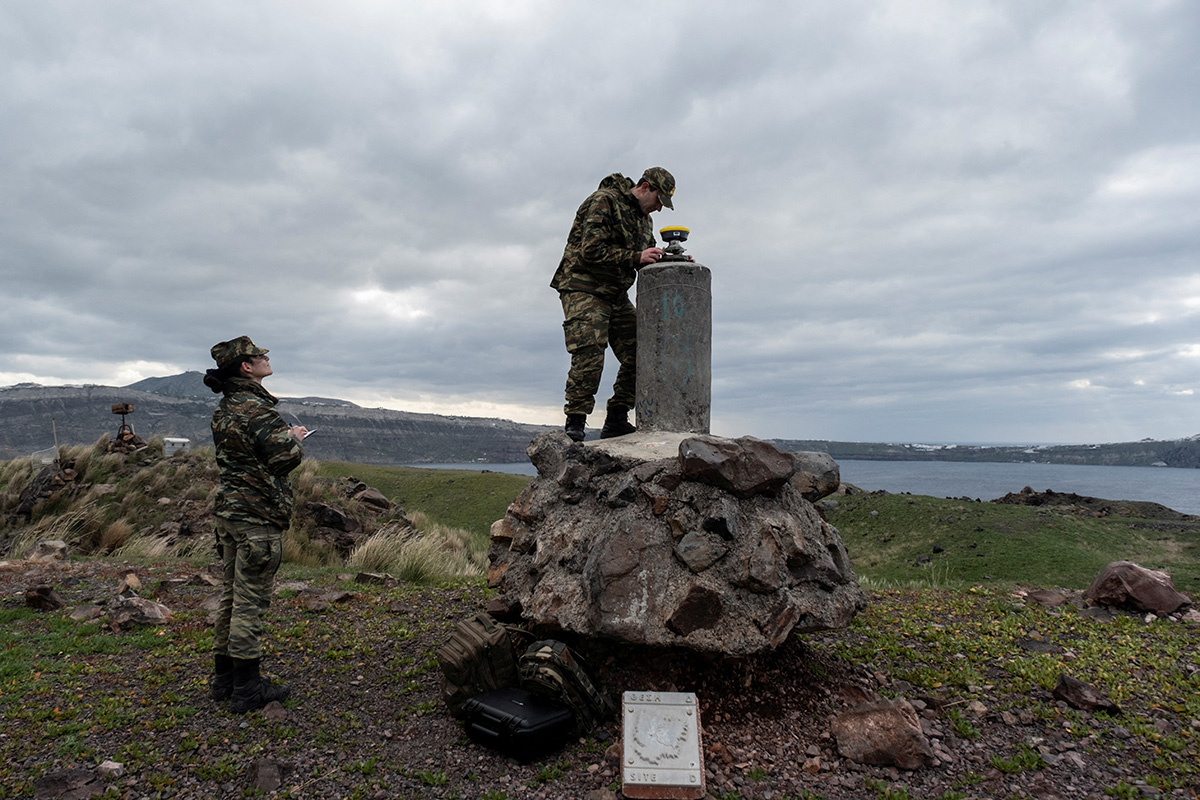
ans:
x=926 y=221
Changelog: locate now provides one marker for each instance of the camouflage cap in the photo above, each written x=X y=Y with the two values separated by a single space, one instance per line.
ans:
x=224 y=352
x=663 y=181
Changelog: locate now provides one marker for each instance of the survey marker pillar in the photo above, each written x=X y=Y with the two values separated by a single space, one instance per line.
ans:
x=674 y=347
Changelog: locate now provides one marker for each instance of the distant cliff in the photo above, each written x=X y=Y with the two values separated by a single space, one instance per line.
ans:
x=1146 y=453
x=181 y=406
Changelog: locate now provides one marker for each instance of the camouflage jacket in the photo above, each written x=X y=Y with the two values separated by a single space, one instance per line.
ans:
x=604 y=247
x=255 y=453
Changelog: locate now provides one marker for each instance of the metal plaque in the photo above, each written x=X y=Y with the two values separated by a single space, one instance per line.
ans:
x=661 y=755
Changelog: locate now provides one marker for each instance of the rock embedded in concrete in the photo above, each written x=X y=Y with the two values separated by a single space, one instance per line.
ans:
x=817 y=475
x=700 y=550
x=744 y=467
x=670 y=539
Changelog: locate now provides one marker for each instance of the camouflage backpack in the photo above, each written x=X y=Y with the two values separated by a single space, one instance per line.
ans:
x=548 y=668
x=478 y=658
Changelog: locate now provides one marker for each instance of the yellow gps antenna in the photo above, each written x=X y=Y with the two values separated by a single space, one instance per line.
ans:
x=674 y=236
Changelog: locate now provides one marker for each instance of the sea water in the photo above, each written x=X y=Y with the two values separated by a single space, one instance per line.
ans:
x=1174 y=488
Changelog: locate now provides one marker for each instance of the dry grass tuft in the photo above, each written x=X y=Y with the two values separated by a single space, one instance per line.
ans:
x=115 y=535
x=305 y=481
x=434 y=555
x=79 y=528
x=144 y=547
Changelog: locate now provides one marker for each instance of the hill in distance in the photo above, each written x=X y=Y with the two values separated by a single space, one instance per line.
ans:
x=1145 y=453
x=191 y=384
x=33 y=417
x=181 y=406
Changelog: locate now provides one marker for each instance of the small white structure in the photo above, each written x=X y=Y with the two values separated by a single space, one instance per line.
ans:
x=172 y=446
x=662 y=756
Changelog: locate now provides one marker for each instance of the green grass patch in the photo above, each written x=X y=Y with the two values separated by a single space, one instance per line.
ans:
x=1024 y=759
x=892 y=539
x=961 y=636
x=464 y=499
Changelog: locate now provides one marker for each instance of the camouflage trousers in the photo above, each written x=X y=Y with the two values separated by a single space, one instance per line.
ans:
x=591 y=324
x=251 y=555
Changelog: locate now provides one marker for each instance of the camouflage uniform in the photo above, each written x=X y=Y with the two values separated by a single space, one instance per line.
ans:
x=599 y=265
x=255 y=453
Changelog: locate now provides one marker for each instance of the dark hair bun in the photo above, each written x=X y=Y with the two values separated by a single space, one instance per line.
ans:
x=212 y=379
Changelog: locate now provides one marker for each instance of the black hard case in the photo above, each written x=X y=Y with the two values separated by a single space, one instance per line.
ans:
x=518 y=723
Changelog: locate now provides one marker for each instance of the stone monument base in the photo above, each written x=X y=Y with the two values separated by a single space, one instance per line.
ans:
x=691 y=541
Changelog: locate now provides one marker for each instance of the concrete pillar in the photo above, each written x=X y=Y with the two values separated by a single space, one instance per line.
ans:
x=674 y=351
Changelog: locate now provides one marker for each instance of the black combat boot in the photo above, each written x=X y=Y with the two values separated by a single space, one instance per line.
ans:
x=616 y=423
x=251 y=691
x=574 y=427
x=221 y=685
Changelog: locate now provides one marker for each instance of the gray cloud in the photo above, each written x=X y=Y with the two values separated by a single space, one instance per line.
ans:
x=930 y=221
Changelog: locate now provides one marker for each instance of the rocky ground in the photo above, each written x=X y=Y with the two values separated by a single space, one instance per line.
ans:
x=366 y=720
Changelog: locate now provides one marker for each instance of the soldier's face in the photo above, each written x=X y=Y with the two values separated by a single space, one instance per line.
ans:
x=259 y=367
x=647 y=197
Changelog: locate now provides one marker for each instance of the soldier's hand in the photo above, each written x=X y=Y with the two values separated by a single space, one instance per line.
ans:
x=299 y=431
x=652 y=254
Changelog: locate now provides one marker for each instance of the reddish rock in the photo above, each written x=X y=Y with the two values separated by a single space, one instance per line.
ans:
x=744 y=467
x=496 y=574
x=701 y=608
x=1047 y=598
x=631 y=581
x=780 y=622
x=763 y=570
x=125 y=613
x=327 y=516
x=373 y=497
x=1083 y=696
x=502 y=530
x=43 y=598
x=886 y=732
x=1126 y=584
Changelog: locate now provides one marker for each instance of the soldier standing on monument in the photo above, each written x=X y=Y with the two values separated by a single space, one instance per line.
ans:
x=610 y=240
x=256 y=450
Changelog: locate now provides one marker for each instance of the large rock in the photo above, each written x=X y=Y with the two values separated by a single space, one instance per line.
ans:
x=745 y=467
x=49 y=550
x=817 y=474
x=884 y=732
x=1126 y=584
x=670 y=539
x=126 y=613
